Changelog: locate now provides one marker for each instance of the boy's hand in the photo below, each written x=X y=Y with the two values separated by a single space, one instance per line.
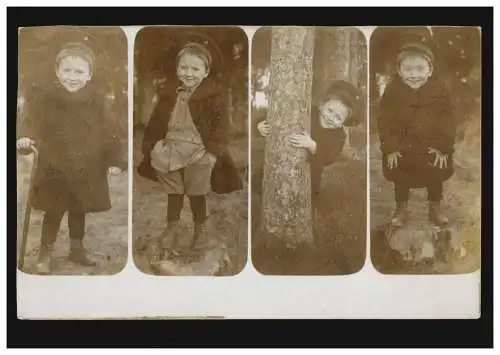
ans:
x=114 y=170
x=303 y=140
x=264 y=128
x=24 y=143
x=392 y=159
x=441 y=159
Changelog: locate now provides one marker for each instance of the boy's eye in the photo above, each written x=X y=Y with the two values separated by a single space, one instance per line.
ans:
x=79 y=71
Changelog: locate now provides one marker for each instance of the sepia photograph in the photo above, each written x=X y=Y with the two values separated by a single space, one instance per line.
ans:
x=425 y=149
x=190 y=198
x=309 y=132
x=72 y=133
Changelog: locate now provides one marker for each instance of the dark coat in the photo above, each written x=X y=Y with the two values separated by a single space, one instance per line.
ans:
x=329 y=145
x=411 y=122
x=77 y=144
x=208 y=107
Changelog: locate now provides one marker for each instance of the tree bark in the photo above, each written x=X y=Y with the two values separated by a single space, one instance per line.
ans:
x=287 y=182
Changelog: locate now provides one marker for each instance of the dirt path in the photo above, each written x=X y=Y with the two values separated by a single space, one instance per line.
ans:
x=228 y=214
x=106 y=233
x=461 y=202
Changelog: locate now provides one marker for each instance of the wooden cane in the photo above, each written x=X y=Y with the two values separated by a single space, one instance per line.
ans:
x=27 y=211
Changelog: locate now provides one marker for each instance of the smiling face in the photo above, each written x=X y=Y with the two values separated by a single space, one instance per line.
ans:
x=415 y=71
x=191 y=70
x=333 y=114
x=73 y=73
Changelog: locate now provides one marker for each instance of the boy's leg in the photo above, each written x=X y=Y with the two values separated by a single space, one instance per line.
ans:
x=401 y=194
x=50 y=227
x=76 y=225
x=435 y=195
x=197 y=179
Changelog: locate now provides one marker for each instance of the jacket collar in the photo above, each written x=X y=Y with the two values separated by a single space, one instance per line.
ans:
x=207 y=88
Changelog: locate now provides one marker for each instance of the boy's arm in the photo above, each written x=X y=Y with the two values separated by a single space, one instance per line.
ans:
x=387 y=123
x=328 y=151
x=444 y=131
x=114 y=151
x=219 y=126
x=155 y=129
x=29 y=123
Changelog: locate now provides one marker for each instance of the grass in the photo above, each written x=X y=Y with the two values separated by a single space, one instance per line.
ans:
x=106 y=236
x=228 y=214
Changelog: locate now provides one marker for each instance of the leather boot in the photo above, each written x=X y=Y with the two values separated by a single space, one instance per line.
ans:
x=400 y=215
x=202 y=240
x=78 y=254
x=436 y=214
x=44 y=263
x=169 y=236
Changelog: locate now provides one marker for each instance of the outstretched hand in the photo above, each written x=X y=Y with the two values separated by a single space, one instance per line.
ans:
x=302 y=140
x=440 y=158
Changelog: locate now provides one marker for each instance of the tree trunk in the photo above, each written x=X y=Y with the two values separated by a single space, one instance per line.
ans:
x=287 y=182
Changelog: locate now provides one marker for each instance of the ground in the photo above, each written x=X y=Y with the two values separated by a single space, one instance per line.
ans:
x=106 y=233
x=228 y=214
x=339 y=229
x=462 y=202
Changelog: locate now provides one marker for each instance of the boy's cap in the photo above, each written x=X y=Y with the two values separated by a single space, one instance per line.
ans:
x=348 y=94
x=416 y=48
x=413 y=42
x=206 y=46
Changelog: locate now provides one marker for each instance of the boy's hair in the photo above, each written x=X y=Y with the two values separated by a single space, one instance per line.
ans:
x=415 y=49
x=349 y=95
x=198 y=50
x=76 y=49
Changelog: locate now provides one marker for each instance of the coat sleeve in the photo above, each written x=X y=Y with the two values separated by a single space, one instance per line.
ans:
x=219 y=127
x=30 y=122
x=388 y=127
x=114 y=150
x=329 y=149
x=155 y=130
x=444 y=128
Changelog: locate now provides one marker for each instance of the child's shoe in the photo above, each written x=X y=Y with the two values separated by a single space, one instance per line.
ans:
x=169 y=236
x=202 y=239
x=436 y=215
x=43 y=265
x=400 y=215
x=78 y=254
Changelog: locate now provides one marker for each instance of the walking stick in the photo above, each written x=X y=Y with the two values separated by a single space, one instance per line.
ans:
x=27 y=211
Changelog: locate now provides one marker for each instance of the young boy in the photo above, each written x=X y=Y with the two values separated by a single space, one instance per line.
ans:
x=185 y=146
x=76 y=144
x=339 y=107
x=417 y=131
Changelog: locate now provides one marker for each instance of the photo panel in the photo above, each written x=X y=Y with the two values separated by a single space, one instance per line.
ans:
x=72 y=145
x=309 y=131
x=190 y=202
x=425 y=149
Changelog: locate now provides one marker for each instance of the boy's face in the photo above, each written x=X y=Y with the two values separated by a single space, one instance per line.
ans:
x=415 y=71
x=73 y=72
x=191 y=70
x=333 y=114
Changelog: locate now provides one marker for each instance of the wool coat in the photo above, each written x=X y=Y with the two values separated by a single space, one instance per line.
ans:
x=411 y=122
x=208 y=108
x=77 y=143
